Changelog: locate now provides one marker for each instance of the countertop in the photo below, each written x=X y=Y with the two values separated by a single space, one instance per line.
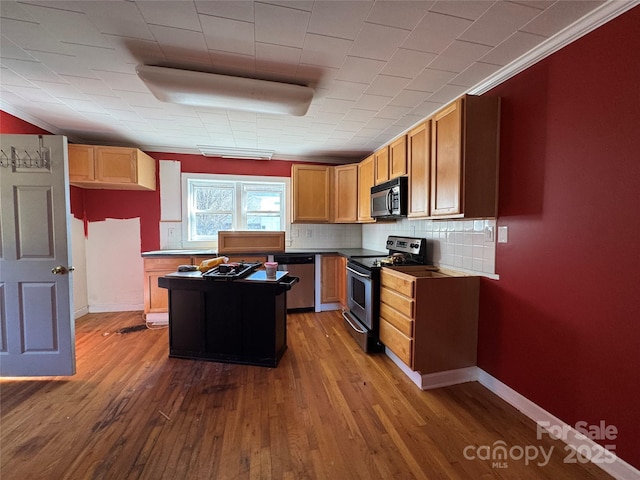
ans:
x=345 y=252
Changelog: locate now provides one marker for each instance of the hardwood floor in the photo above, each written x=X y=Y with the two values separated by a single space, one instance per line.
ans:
x=328 y=411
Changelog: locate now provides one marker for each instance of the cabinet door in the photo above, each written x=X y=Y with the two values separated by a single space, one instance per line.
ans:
x=419 y=155
x=81 y=164
x=346 y=194
x=398 y=157
x=446 y=160
x=332 y=280
x=382 y=165
x=311 y=190
x=116 y=165
x=365 y=182
x=156 y=299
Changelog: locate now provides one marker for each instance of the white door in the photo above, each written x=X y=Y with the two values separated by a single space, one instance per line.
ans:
x=37 y=334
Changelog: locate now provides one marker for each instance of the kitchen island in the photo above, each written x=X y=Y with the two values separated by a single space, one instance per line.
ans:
x=233 y=321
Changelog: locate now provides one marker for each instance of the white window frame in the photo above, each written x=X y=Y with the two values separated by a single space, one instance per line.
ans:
x=238 y=202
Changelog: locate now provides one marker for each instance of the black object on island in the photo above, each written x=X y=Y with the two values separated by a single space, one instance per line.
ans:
x=240 y=321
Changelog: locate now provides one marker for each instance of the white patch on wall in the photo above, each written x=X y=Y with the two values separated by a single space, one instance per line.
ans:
x=170 y=191
x=79 y=262
x=115 y=267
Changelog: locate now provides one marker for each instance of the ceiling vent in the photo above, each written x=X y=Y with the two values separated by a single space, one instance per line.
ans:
x=240 y=153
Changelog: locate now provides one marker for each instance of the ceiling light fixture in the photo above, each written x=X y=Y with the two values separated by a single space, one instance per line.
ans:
x=240 y=153
x=201 y=89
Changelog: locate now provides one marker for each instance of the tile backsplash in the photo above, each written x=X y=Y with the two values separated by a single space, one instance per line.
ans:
x=457 y=244
x=309 y=235
x=467 y=245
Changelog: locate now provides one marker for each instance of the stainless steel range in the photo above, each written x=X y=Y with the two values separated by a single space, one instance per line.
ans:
x=363 y=287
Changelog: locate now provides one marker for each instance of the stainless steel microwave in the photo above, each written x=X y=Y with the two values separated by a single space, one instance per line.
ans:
x=389 y=199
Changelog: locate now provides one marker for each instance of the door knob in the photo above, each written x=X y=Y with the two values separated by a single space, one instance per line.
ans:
x=61 y=270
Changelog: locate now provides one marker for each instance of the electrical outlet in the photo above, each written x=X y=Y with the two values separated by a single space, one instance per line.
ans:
x=171 y=233
x=489 y=234
x=309 y=233
x=503 y=234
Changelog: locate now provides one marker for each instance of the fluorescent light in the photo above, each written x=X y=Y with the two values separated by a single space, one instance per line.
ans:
x=201 y=89
x=230 y=152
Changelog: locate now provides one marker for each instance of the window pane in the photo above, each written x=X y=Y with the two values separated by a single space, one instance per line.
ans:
x=212 y=198
x=263 y=201
x=263 y=222
x=208 y=224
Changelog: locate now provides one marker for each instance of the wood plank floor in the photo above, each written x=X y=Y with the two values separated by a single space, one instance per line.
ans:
x=328 y=411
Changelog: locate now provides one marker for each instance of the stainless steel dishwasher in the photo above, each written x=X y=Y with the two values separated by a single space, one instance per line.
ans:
x=302 y=295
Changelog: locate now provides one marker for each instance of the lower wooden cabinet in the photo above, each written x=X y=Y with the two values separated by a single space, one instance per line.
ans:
x=333 y=287
x=429 y=320
x=156 y=298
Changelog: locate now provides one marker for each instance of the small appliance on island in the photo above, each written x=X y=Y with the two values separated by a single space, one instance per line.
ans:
x=231 y=313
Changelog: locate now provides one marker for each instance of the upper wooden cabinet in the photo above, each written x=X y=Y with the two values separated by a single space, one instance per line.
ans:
x=398 y=157
x=366 y=172
x=381 y=161
x=346 y=193
x=419 y=167
x=311 y=188
x=114 y=168
x=464 y=158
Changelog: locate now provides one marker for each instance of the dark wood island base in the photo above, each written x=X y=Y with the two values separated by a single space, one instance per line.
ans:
x=242 y=321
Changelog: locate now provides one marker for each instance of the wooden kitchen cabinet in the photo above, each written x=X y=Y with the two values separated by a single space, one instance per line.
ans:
x=155 y=298
x=429 y=319
x=398 y=157
x=311 y=187
x=113 y=168
x=333 y=284
x=419 y=167
x=346 y=193
x=366 y=180
x=381 y=161
x=464 y=158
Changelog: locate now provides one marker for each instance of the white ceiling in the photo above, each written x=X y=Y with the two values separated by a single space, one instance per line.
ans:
x=378 y=67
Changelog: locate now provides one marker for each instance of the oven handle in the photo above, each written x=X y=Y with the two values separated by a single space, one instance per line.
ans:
x=350 y=322
x=358 y=273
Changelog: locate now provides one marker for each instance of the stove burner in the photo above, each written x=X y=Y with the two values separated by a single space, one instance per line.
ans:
x=231 y=271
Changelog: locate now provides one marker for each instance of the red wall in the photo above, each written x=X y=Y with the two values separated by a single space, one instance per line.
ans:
x=14 y=125
x=562 y=325
x=101 y=204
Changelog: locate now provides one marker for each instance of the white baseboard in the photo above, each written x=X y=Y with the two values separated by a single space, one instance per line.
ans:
x=435 y=380
x=614 y=465
x=106 y=308
x=157 y=318
x=81 y=312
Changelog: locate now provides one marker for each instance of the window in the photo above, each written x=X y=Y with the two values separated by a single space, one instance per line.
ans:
x=220 y=202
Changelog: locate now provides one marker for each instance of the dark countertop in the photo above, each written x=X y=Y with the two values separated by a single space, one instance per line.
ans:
x=345 y=252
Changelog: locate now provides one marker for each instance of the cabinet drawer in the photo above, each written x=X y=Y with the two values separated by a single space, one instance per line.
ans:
x=395 y=318
x=170 y=264
x=398 y=282
x=395 y=341
x=398 y=302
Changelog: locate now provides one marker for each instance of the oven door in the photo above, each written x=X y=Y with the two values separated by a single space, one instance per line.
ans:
x=359 y=295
